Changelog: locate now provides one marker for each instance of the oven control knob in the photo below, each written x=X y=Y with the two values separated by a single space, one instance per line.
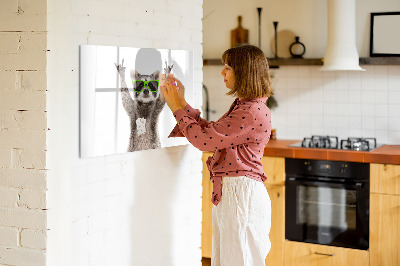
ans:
x=308 y=166
x=343 y=168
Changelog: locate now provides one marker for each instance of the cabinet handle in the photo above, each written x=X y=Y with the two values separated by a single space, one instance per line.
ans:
x=324 y=254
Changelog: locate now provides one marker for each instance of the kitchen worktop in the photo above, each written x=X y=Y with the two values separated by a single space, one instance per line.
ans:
x=389 y=154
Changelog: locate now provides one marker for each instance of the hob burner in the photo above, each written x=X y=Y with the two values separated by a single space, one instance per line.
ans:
x=328 y=142
x=358 y=144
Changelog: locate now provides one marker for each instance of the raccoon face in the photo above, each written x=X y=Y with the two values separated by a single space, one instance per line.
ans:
x=146 y=87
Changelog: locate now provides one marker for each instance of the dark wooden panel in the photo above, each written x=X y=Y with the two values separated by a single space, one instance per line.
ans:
x=314 y=61
x=380 y=61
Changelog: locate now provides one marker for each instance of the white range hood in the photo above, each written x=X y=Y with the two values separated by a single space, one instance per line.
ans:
x=341 y=51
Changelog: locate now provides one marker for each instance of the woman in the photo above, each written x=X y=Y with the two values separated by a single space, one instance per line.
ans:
x=242 y=211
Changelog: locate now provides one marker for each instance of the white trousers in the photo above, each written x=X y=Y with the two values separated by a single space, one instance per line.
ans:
x=241 y=223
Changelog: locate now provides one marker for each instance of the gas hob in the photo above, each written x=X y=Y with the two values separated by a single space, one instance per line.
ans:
x=332 y=142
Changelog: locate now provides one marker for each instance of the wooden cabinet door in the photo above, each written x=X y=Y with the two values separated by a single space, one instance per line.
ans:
x=385 y=178
x=206 y=226
x=274 y=168
x=384 y=236
x=277 y=233
x=304 y=254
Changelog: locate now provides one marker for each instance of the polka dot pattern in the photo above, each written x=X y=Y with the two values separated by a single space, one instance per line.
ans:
x=238 y=139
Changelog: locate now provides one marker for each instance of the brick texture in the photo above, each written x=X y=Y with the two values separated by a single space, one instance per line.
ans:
x=99 y=187
x=17 y=256
x=23 y=178
x=23 y=126
x=9 y=237
x=23 y=218
x=33 y=239
x=33 y=199
x=8 y=197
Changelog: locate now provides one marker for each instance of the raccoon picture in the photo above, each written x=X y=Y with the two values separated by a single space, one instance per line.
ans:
x=143 y=109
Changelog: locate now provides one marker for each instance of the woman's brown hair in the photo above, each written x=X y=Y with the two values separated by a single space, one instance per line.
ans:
x=250 y=66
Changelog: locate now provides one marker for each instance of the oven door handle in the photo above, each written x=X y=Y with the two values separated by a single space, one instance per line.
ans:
x=357 y=185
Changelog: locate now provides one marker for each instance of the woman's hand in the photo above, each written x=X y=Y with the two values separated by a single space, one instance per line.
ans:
x=181 y=92
x=172 y=95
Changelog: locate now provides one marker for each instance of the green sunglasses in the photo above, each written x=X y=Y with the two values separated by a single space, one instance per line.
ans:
x=139 y=85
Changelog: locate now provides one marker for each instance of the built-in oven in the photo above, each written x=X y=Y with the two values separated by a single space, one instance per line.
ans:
x=327 y=202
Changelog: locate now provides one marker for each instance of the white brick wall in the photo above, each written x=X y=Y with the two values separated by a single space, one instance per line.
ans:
x=23 y=132
x=11 y=256
x=33 y=239
x=108 y=210
x=8 y=197
x=9 y=237
x=142 y=208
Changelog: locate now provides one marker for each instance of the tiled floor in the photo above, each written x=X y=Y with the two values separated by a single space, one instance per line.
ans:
x=206 y=261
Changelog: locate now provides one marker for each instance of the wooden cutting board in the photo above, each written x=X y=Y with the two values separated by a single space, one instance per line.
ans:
x=239 y=35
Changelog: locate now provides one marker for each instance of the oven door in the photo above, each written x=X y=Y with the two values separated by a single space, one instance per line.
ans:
x=327 y=213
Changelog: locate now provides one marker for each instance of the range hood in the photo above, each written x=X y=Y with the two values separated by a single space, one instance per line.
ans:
x=341 y=51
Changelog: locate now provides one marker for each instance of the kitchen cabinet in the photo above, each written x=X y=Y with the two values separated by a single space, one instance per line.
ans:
x=274 y=168
x=206 y=225
x=305 y=254
x=384 y=221
x=385 y=178
x=384 y=245
x=385 y=230
x=277 y=233
x=385 y=214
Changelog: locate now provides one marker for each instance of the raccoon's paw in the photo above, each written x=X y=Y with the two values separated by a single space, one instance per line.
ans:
x=120 y=67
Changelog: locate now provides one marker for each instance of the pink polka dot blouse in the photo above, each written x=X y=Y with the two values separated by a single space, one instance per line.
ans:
x=238 y=139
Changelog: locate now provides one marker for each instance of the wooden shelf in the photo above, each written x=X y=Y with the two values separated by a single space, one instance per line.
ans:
x=274 y=63
x=380 y=61
x=212 y=62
